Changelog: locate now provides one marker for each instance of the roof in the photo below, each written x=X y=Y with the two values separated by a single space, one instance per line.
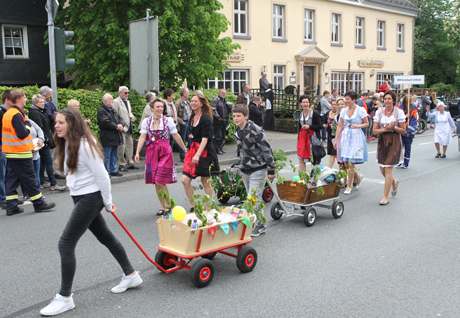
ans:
x=404 y=5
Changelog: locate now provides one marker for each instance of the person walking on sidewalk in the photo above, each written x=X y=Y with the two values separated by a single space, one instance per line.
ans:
x=80 y=158
x=201 y=158
x=156 y=131
x=309 y=123
x=444 y=126
x=389 y=124
x=110 y=133
x=17 y=145
x=350 y=140
x=122 y=107
x=38 y=114
x=256 y=157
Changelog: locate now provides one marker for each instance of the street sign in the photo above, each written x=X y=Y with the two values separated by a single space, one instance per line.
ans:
x=409 y=79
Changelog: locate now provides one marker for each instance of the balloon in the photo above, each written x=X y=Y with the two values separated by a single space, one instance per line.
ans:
x=178 y=213
x=296 y=178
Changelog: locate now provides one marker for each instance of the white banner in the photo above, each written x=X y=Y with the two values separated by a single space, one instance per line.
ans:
x=409 y=79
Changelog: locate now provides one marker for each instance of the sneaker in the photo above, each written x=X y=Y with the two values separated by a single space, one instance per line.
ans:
x=443 y=156
x=58 y=188
x=44 y=207
x=131 y=281
x=133 y=167
x=13 y=211
x=438 y=155
x=58 y=305
x=259 y=230
x=46 y=185
x=116 y=174
x=347 y=191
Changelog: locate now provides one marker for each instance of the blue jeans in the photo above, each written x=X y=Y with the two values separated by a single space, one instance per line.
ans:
x=37 y=172
x=2 y=176
x=47 y=164
x=111 y=159
x=407 y=142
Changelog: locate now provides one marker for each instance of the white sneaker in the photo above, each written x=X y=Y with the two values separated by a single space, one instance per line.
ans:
x=347 y=191
x=58 y=305
x=127 y=282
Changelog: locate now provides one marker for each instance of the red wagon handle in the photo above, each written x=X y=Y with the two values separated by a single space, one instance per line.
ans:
x=136 y=242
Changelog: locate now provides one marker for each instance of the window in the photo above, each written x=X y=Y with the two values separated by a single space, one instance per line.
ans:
x=381 y=34
x=336 y=28
x=278 y=22
x=240 y=18
x=309 y=25
x=15 y=43
x=231 y=80
x=400 y=37
x=278 y=76
x=339 y=82
x=382 y=77
x=359 y=36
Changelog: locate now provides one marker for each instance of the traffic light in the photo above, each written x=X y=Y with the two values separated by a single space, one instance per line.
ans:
x=62 y=49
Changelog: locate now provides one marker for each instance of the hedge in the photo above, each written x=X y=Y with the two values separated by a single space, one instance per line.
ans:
x=91 y=100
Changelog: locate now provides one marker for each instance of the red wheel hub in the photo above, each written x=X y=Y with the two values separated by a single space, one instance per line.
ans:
x=205 y=273
x=249 y=260
x=169 y=260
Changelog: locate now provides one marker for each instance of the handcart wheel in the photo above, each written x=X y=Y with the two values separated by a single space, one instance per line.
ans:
x=276 y=211
x=246 y=259
x=210 y=256
x=267 y=194
x=309 y=217
x=337 y=209
x=202 y=273
x=165 y=260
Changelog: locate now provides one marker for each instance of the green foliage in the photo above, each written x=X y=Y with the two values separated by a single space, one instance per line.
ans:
x=191 y=46
x=228 y=184
x=255 y=206
x=444 y=89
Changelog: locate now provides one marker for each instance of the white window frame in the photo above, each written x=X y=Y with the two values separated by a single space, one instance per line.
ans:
x=360 y=23
x=309 y=25
x=400 y=36
x=229 y=79
x=336 y=28
x=25 y=42
x=279 y=21
x=382 y=77
x=237 y=13
x=381 y=41
x=279 y=76
x=339 y=81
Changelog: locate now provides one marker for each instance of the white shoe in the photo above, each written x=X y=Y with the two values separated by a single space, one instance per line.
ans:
x=58 y=305
x=127 y=282
x=347 y=191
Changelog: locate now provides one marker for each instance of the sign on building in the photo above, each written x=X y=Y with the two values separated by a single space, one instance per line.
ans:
x=144 y=65
x=409 y=79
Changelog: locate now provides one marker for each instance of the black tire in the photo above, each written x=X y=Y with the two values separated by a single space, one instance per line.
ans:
x=421 y=126
x=163 y=259
x=202 y=273
x=337 y=209
x=309 y=217
x=210 y=256
x=246 y=260
x=223 y=198
x=267 y=194
x=276 y=211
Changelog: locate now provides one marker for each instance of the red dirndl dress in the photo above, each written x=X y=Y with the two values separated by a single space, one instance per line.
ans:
x=303 y=143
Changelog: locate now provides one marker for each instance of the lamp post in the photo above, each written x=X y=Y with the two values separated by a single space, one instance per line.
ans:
x=51 y=8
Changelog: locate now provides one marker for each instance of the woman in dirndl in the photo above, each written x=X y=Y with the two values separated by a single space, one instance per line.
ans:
x=309 y=124
x=389 y=124
x=350 y=140
x=156 y=131
x=444 y=126
x=201 y=158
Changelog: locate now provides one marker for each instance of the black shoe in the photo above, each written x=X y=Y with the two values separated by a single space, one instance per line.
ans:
x=259 y=230
x=3 y=205
x=443 y=157
x=44 y=207
x=438 y=155
x=123 y=168
x=161 y=212
x=58 y=176
x=133 y=167
x=116 y=174
x=13 y=211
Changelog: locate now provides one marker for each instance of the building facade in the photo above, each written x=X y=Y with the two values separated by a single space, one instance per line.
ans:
x=318 y=44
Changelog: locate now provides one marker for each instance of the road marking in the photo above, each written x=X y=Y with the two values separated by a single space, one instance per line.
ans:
x=374 y=151
x=378 y=181
x=424 y=143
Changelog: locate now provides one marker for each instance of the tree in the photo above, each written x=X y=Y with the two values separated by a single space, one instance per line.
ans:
x=189 y=37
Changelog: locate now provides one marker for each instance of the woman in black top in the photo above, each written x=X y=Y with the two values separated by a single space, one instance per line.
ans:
x=201 y=158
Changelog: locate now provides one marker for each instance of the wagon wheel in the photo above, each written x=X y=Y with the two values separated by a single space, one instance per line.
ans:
x=210 y=256
x=276 y=211
x=246 y=259
x=202 y=273
x=267 y=194
x=309 y=217
x=165 y=260
x=337 y=209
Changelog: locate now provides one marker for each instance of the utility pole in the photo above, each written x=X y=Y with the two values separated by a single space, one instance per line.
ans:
x=51 y=8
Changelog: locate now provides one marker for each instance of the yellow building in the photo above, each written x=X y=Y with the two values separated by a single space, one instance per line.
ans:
x=314 y=43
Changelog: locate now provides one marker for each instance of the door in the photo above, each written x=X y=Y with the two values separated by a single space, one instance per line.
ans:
x=309 y=78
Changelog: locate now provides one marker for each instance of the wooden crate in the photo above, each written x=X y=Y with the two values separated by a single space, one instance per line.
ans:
x=292 y=191
x=330 y=191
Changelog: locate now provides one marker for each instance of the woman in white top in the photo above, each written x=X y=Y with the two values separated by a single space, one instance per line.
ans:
x=389 y=124
x=80 y=157
x=443 y=127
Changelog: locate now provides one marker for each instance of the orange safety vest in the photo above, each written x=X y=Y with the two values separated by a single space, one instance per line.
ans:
x=12 y=145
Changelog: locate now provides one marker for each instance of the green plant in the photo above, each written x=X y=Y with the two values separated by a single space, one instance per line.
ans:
x=166 y=198
x=203 y=203
x=228 y=184
x=255 y=206
x=280 y=158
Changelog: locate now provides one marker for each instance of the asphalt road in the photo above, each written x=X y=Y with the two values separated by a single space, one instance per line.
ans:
x=401 y=260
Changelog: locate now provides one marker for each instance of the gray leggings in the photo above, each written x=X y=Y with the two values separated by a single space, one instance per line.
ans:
x=87 y=215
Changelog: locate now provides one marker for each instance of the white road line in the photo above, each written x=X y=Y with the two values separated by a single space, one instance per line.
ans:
x=425 y=143
x=370 y=180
